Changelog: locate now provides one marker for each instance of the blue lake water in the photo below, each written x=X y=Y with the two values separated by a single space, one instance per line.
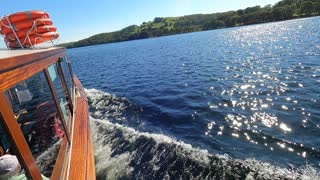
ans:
x=248 y=92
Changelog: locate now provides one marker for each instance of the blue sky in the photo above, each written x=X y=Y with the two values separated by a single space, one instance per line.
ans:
x=78 y=19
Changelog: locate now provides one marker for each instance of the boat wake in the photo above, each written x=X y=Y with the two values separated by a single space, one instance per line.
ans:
x=122 y=152
x=108 y=107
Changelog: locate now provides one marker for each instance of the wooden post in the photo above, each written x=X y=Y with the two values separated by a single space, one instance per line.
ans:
x=19 y=142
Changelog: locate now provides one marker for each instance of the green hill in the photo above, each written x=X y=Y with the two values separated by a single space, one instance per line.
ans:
x=283 y=10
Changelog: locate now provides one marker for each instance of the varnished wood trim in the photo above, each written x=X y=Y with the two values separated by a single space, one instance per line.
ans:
x=91 y=172
x=11 y=78
x=79 y=152
x=13 y=63
x=81 y=148
x=24 y=154
x=59 y=169
x=56 y=101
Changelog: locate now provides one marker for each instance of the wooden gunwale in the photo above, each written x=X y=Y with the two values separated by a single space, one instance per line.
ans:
x=81 y=146
x=90 y=160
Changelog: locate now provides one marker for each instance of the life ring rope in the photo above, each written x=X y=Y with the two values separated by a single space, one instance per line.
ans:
x=24 y=32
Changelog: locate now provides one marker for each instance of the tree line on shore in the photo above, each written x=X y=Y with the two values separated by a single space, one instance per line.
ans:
x=283 y=10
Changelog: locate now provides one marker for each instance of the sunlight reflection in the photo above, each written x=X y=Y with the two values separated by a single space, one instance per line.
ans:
x=284 y=127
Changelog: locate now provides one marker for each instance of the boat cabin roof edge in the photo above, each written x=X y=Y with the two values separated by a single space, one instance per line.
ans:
x=11 y=59
x=18 y=68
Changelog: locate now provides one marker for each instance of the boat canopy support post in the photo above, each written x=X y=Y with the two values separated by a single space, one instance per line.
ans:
x=17 y=139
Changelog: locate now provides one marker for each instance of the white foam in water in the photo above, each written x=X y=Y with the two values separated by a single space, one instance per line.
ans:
x=119 y=165
x=112 y=167
x=123 y=152
x=46 y=160
x=106 y=105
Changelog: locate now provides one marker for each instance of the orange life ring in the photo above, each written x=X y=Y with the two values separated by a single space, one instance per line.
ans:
x=25 y=24
x=24 y=32
x=34 y=39
x=22 y=16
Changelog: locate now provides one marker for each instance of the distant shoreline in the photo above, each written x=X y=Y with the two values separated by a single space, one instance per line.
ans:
x=281 y=11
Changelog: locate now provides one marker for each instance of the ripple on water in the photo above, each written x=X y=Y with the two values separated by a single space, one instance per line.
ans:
x=250 y=91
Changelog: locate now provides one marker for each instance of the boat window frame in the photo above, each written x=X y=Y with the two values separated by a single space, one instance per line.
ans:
x=11 y=74
x=70 y=68
x=56 y=101
x=65 y=84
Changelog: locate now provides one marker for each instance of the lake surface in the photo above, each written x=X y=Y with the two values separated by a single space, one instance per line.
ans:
x=239 y=94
